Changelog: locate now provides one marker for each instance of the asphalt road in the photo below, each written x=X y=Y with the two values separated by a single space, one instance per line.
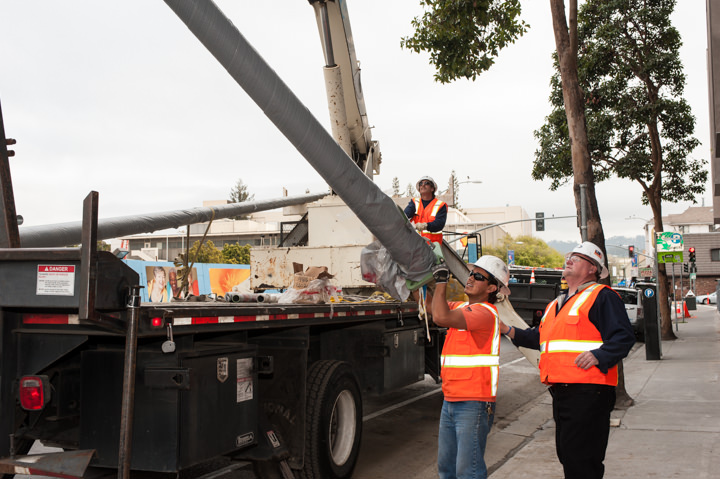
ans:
x=400 y=429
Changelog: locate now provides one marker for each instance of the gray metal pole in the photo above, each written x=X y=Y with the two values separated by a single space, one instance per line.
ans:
x=583 y=213
x=128 y=392
x=64 y=234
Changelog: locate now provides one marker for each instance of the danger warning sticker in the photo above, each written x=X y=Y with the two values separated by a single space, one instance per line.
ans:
x=55 y=280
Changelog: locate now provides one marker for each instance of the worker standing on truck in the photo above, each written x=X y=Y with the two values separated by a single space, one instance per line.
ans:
x=470 y=366
x=582 y=336
x=428 y=213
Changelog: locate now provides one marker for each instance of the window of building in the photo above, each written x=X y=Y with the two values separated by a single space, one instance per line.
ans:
x=715 y=254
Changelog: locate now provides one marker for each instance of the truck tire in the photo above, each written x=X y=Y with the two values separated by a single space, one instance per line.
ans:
x=333 y=421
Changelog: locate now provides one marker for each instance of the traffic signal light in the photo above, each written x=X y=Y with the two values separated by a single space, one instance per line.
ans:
x=691 y=252
x=685 y=268
x=539 y=221
x=631 y=251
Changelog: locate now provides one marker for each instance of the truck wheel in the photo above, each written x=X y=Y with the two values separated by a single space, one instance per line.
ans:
x=333 y=422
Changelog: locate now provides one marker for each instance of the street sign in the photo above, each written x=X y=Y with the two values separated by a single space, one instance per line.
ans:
x=670 y=257
x=511 y=256
x=669 y=241
x=669 y=247
x=693 y=275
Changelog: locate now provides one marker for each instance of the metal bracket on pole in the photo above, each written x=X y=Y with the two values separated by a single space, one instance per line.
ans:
x=583 y=213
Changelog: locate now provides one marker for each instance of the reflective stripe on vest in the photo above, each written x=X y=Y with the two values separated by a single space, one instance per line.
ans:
x=450 y=361
x=581 y=300
x=560 y=346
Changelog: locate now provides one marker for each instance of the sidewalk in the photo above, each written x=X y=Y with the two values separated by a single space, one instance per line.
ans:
x=673 y=430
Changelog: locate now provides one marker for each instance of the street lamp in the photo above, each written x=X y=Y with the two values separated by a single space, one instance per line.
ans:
x=451 y=187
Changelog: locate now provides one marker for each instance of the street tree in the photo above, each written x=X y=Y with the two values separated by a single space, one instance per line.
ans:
x=639 y=125
x=236 y=253
x=205 y=253
x=239 y=194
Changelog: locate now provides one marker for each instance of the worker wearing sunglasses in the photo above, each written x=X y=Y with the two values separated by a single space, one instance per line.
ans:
x=470 y=366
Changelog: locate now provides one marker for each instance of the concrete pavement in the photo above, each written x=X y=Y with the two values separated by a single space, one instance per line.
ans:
x=672 y=431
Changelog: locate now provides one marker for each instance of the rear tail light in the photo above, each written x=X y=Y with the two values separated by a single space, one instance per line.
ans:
x=34 y=392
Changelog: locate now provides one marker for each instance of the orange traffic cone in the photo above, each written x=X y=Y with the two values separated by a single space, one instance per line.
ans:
x=532 y=277
x=686 y=312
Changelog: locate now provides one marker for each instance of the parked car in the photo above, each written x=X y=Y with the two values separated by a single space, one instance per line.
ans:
x=707 y=298
x=633 y=305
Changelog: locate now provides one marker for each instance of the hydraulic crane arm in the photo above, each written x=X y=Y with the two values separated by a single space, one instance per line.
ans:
x=348 y=116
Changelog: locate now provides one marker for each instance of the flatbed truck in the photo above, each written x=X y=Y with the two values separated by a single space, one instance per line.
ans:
x=276 y=384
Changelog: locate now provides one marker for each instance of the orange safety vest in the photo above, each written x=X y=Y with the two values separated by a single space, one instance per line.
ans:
x=567 y=333
x=471 y=362
x=426 y=214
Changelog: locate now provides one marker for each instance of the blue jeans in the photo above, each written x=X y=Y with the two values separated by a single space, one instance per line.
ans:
x=464 y=427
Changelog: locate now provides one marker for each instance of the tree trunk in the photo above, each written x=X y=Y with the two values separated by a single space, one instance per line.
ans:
x=566 y=43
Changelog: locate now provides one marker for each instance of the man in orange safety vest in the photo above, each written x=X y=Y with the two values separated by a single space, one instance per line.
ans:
x=470 y=366
x=428 y=213
x=582 y=336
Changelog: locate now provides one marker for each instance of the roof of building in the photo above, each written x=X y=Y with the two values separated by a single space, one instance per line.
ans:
x=694 y=215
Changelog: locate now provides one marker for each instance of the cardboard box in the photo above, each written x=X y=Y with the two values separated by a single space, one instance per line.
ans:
x=301 y=278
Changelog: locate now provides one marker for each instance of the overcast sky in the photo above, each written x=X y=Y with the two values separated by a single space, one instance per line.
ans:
x=119 y=97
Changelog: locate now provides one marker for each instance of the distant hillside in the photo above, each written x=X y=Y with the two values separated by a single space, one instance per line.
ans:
x=620 y=243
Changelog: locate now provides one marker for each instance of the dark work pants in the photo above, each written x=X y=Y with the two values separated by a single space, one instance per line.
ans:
x=582 y=421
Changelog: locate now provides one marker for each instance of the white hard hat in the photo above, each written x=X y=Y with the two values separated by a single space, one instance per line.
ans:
x=496 y=267
x=592 y=252
x=417 y=185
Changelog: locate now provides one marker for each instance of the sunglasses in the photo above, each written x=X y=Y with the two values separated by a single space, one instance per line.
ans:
x=423 y=183
x=478 y=277
x=573 y=259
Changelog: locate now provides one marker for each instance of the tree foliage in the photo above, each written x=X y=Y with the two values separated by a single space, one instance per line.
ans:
x=529 y=251
x=207 y=253
x=239 y=194
x=236 y=254
x=396 y=186
x=410 y=190
x=639 y=126
x=463 y=37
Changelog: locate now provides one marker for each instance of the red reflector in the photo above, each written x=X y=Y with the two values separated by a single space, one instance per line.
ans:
x=32 y=393
x=45 y=318
x=156 y=322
